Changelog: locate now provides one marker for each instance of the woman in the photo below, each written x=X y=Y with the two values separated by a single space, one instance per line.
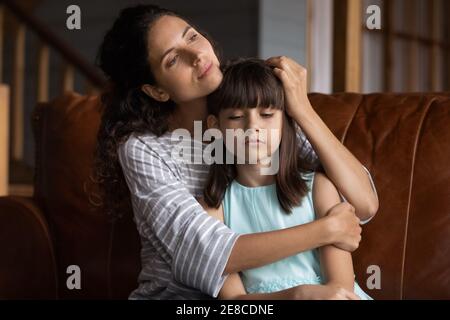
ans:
x=161 y=69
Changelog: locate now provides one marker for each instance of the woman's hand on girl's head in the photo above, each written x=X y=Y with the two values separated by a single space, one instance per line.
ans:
x=294 y=78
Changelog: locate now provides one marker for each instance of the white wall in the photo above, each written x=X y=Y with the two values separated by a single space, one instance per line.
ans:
x=373 y=56
x=321 y=51
x=282 y=29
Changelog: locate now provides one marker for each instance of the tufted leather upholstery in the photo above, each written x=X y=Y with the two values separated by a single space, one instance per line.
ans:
x=403 y=139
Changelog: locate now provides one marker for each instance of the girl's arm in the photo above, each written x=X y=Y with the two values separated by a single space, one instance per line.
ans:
x=340 y=165
x=233 y=289
x=336 y=264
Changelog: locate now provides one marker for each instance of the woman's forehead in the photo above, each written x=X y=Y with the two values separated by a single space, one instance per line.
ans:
x=164 y=34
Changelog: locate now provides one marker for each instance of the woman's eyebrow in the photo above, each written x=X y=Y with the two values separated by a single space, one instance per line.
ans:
x=171 y=49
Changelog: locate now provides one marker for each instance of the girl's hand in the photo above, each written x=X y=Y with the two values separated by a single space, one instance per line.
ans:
x=322 y=292
x=294 y=79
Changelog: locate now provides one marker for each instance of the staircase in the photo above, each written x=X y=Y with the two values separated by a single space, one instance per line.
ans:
x=17 y=22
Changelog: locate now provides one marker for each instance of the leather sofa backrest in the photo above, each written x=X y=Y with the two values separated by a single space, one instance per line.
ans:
x=403 y=139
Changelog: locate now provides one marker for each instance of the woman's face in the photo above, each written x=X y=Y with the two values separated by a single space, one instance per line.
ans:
x=182 y=60
x=257 y=132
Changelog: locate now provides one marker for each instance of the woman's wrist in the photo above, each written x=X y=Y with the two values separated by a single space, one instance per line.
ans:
x=305 y=114
x=330 y=230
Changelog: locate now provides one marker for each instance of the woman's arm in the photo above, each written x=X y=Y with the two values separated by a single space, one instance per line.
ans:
x=258 y=249
x=233 y=288
x=336 y=264
x=346 y=172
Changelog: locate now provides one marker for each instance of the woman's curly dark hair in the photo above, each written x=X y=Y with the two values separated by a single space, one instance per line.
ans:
x=123 y=57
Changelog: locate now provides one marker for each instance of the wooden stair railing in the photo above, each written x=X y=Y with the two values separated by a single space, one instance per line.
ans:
x=72 y=62
x=4 y=139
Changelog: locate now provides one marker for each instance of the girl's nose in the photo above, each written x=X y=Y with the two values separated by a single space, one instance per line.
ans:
x=252 y=124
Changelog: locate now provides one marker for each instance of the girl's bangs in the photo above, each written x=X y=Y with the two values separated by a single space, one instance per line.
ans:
x=252 y=86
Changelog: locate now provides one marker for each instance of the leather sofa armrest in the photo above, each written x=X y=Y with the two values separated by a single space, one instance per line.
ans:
x=27 y=256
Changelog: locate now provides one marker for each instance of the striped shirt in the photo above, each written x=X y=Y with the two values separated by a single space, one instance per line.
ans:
x=184 y=251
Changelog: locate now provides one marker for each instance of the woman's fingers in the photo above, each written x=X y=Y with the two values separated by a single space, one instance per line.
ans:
x=273 y=61
x=351 y=296
x=280 y=73
x=294 y=79
x=285 y=63
x=293 y=70
x=280 y=62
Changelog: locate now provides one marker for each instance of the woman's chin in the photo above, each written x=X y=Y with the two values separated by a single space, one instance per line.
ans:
x=212 y=81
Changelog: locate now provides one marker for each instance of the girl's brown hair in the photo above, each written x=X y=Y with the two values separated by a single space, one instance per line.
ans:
x=250 y=83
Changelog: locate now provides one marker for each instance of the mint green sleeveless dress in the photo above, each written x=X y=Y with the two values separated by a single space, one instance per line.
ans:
x=256 y=209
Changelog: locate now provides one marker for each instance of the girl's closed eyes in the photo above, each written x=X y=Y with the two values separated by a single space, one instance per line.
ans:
x=241 y=116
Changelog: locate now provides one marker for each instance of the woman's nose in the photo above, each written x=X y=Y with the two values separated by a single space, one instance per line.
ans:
x=196 y=56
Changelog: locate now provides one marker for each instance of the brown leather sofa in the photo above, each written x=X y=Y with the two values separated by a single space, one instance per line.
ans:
x=403 y=139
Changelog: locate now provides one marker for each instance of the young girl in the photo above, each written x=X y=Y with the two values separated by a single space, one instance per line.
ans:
x=251 y=98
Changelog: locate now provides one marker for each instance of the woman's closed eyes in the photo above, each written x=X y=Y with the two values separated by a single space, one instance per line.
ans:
x=172 y=61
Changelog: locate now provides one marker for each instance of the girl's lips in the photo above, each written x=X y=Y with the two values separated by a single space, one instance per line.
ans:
x=253 y=141
x=205 y=70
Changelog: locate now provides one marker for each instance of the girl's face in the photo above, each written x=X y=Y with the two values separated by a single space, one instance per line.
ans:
x=262 y=128
x=182 y=60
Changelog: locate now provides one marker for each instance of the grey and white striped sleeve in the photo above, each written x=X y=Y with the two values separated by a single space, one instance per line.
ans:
x=306 y=150
x=196 y=245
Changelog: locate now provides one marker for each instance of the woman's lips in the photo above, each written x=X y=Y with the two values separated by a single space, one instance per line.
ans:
x=205 y=70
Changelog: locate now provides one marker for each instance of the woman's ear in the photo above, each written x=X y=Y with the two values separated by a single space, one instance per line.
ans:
x=156 y=93
x=212 y=122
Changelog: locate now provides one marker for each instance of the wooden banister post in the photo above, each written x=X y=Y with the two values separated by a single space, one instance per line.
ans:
x=43 y=72
x=17 y=93
x=68 y=78
x=354 y=45
x=347 y=58
x=91 y=89
x=435 y=18
x=2 y=28
x=4 y=139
